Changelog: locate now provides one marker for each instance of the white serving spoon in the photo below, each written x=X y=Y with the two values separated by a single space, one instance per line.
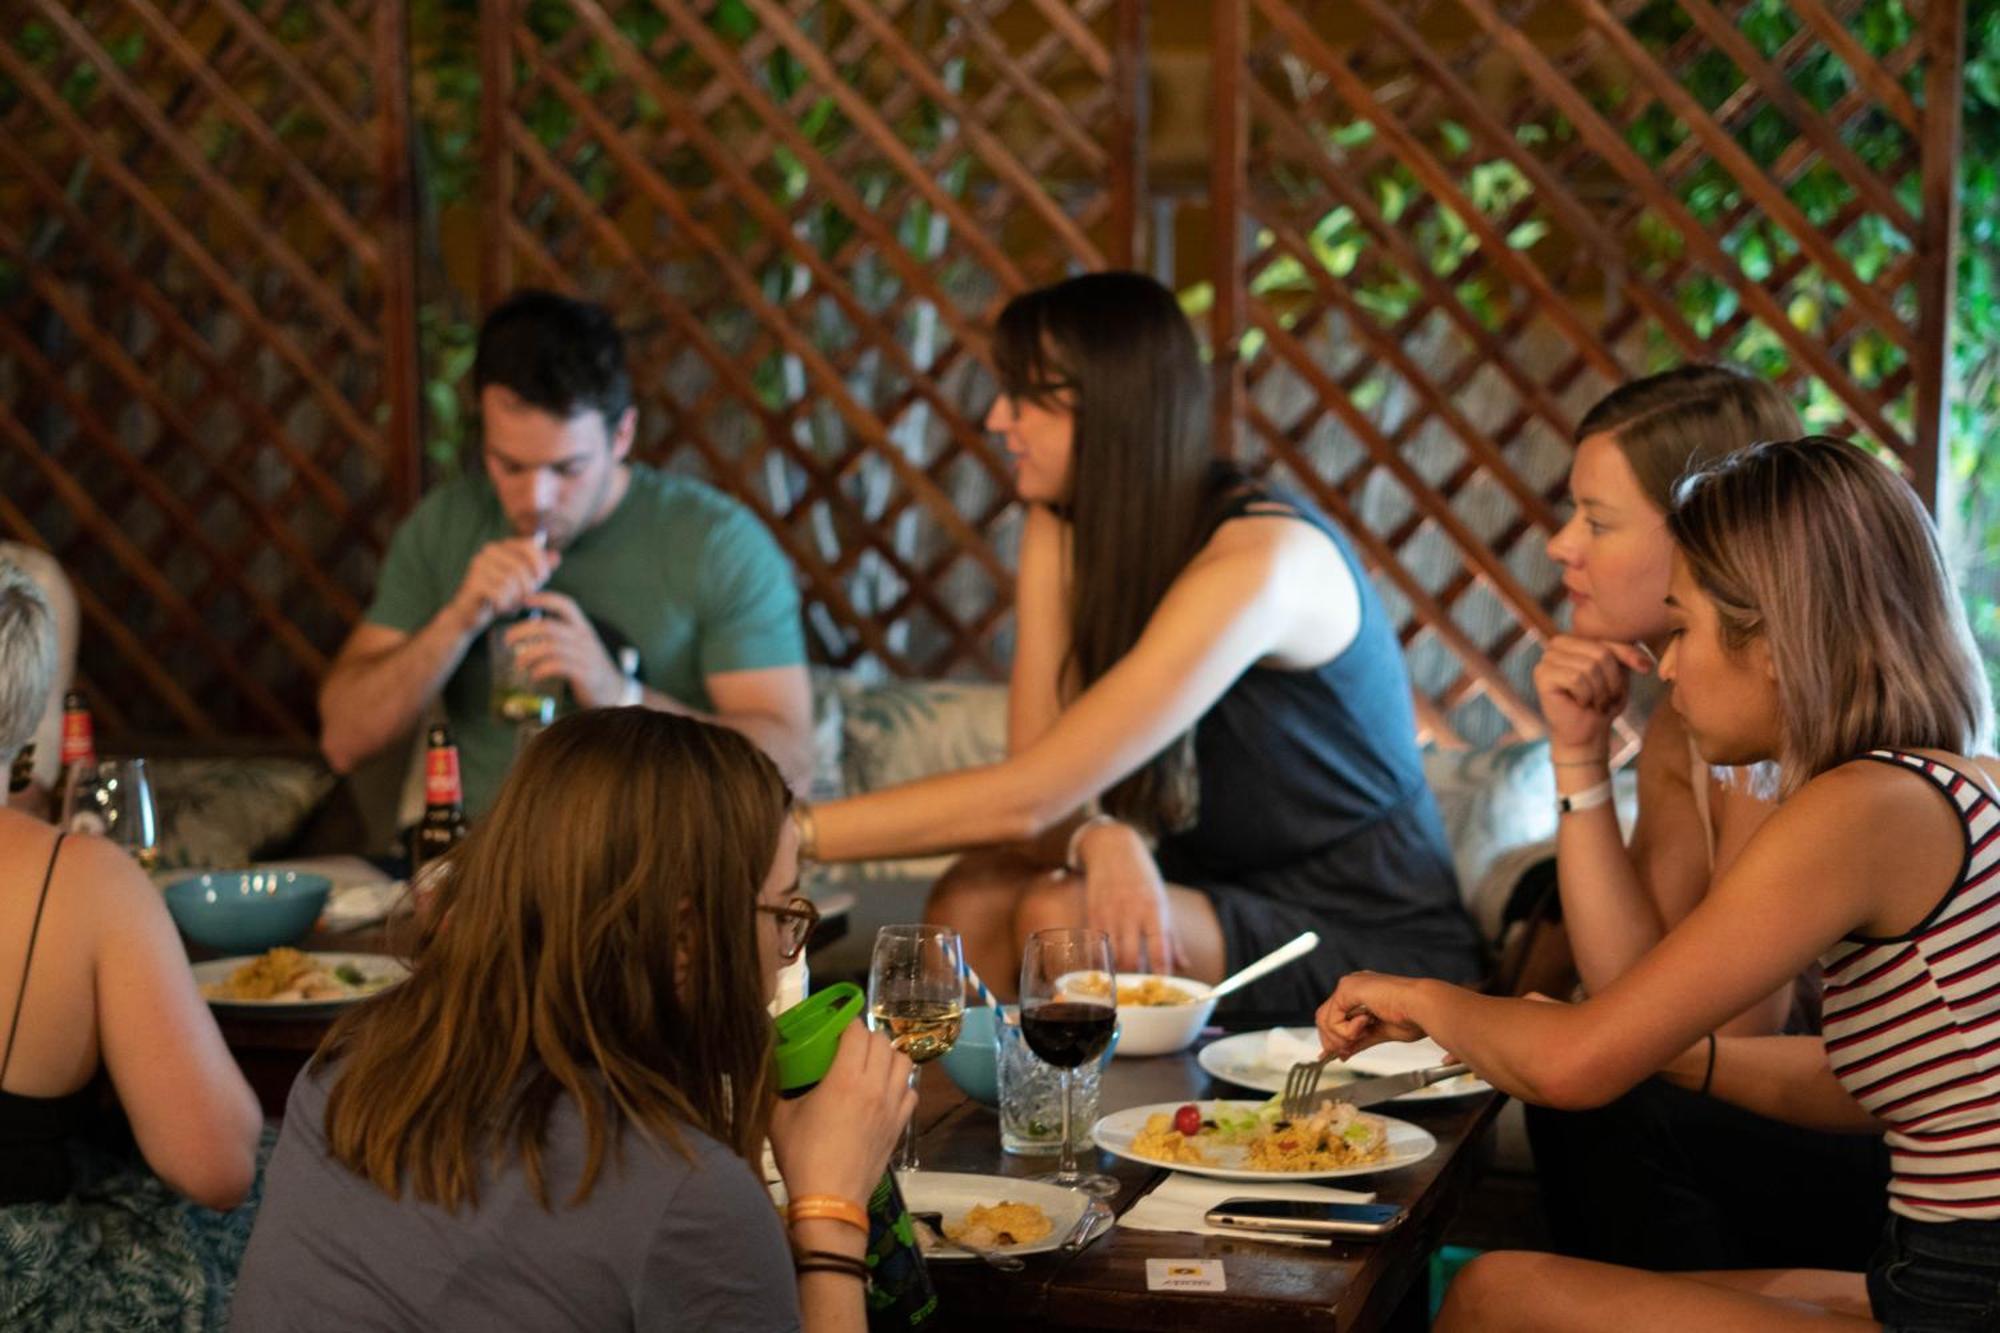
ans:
x=1269 y=963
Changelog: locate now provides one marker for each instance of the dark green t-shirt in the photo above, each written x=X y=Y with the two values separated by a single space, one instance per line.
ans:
x=678 y=570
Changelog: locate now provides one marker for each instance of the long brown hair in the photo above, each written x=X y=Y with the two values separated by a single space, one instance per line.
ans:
x=1146 y=488
x=1828 y=556
x=624 y=843
x=1672 y=423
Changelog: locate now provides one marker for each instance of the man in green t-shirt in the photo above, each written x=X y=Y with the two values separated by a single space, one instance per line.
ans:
x=581 y=559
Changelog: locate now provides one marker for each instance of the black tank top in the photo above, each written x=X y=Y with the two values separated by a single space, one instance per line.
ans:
x=34 y=1157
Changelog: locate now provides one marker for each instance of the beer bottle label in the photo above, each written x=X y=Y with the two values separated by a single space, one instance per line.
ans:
x=441 y=784
x=78 y=746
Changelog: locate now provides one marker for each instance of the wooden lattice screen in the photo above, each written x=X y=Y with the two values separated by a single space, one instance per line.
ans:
x=1464 y=220
x=1439 y=228
x=808 y=209
x=207 y=339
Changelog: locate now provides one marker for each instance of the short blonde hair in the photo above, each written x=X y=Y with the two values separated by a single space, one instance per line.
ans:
x=27 y=657
x=1829 y=556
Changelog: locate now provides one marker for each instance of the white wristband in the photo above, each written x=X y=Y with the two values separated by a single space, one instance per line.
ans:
x=1071 y=860
x=1588 y=798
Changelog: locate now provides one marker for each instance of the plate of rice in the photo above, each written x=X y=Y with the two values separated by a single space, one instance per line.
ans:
x=993 y=1212
x=1240 y=1140
x=290 y=983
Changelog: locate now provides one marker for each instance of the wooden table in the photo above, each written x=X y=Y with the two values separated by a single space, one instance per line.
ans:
x=1364 y=1285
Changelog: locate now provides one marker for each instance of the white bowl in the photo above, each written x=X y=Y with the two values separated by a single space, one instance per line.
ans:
x=1161 y=1029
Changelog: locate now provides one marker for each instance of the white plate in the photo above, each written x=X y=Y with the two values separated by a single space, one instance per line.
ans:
x=1244 y=1060
x=217 y=970
x=953 y=1193
x=1116 y=1133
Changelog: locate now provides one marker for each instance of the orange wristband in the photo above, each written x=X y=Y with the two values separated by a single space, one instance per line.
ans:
x=825 y=1207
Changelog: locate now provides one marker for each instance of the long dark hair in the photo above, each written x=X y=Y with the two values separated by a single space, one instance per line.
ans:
x=1146 y=490
x=625 y=843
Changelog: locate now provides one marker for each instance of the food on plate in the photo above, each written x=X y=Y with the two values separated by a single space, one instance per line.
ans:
x=990 y=1226
x=1148 y=992
x=1333 y=1137
x=288 y=974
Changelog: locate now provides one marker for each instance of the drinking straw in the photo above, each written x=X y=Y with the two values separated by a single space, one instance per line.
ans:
x=985 y=996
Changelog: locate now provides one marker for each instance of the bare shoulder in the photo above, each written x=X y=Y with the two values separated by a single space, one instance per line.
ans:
x=97 y=875
x=1866 y=802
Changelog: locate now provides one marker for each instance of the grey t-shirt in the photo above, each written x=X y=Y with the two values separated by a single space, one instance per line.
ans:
x=661 y=1243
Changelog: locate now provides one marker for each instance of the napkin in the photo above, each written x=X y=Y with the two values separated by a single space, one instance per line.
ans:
x=1285 y=1047
x=1181 y=1201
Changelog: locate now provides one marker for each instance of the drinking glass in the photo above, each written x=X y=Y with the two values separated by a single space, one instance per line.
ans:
x=1066 y=1027
x=916 y=990
x=125 y=803
x=517 y=697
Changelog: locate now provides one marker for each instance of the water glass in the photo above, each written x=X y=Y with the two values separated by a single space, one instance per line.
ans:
x=517 y=697
x=1031 y=1095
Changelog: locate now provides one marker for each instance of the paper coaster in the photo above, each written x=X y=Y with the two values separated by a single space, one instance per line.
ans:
x=1185 y=1275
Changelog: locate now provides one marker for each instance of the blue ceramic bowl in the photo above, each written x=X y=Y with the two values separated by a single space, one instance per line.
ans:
x=973 y=1062
x=247 y=911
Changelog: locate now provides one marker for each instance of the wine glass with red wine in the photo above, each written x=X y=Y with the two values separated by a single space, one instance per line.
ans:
x=1069 y=1005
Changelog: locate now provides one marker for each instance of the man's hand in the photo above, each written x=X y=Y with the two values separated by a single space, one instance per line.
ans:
x=563 y=646
x=501 y=578
x=1124 y=896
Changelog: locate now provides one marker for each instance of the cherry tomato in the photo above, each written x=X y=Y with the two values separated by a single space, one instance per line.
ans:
x=1188 y=1120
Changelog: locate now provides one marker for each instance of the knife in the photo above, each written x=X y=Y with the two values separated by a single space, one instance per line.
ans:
x=1368 y=1091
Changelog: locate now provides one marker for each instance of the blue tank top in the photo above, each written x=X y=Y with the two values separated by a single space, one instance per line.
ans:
x=1312 y=796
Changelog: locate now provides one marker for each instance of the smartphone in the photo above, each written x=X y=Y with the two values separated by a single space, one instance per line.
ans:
x=1312 y=1219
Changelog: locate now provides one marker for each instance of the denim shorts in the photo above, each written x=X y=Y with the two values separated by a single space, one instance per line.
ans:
x=1936 y=1277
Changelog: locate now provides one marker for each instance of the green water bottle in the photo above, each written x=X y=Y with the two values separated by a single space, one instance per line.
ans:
x=900 y=1294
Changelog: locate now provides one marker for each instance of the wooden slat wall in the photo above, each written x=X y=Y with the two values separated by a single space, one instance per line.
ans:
x=1461 y=224
x=1436 y=231
x=809 y=217
x=207 y=339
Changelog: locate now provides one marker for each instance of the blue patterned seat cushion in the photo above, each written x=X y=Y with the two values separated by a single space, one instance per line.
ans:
x=122 y=1254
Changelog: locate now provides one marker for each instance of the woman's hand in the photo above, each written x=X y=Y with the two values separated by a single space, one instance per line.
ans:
x=1583 y=685
x=1124 y=896
x=836 y=1139
x=1368 y=1008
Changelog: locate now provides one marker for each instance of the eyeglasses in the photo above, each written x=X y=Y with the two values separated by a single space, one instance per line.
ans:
x=796 y=920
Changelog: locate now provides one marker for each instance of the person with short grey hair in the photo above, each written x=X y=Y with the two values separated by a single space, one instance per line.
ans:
x=59 y=606
x=92 y=974
x=27 y=657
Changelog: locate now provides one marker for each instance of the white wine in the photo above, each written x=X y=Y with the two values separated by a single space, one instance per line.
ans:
x=920 y=1029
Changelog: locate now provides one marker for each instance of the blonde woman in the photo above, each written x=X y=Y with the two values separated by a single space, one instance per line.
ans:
x=553 y=1124
x=1662 y=1178
x=1855 y=675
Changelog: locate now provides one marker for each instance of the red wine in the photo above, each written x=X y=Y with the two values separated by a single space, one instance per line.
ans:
x=1067 y=1033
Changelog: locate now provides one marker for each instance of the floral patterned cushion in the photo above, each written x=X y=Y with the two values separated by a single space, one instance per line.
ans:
x=908 y=729
x=225 y=812
x=122 y=1254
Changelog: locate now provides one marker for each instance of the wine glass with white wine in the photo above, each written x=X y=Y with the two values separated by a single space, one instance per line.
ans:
x=916 y=993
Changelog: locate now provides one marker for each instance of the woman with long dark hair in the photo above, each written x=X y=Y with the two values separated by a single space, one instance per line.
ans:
x=1201 y=655
x=554 y=1122
x=1814 y=627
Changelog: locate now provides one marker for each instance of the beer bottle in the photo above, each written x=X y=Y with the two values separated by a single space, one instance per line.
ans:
x=444 y=801
x=79 y=780
x=22 y=776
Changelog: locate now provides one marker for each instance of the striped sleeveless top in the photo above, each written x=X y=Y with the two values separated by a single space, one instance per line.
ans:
x=1912 y=1025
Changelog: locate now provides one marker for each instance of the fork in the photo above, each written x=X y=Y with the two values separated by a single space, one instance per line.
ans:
x=1301 y=1082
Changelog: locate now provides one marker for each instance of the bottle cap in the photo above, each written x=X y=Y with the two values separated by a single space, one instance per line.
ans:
x=809 y=1034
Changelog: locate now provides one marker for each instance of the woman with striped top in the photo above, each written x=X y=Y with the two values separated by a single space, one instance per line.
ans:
x=1814 y=626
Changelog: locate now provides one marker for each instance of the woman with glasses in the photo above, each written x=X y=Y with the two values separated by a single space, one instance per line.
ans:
x=1201 y=655
x=556 y=1122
